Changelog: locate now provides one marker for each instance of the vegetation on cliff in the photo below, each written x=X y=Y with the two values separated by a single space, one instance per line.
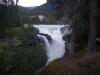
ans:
x=17 y=56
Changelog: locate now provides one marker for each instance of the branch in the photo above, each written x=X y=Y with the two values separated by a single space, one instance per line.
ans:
x=98 y=39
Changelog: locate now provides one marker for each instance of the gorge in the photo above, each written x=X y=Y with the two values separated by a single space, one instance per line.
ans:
x=56 y=46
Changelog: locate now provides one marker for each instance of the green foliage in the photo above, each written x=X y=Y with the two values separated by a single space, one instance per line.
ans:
x=8 y=18
x=26 y=60
x=31 y=29
x=13 y=32
x=78 y=73
x=81 y=43
x=17 y=19
x=33 y=18
x=84 y=48
x=51 y=69
x=25 y=37
x=2 y=64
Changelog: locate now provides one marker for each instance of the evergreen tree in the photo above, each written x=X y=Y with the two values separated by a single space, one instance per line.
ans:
x=77 y=13
x=7 y=16
x=92 y=27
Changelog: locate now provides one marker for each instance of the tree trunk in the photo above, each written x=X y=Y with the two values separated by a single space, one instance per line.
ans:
x=72 y=42
x=92 y=27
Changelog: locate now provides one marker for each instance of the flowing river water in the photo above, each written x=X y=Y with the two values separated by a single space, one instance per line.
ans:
x=56 y=49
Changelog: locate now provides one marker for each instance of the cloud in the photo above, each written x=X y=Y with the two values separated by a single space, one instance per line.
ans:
x=31 y=2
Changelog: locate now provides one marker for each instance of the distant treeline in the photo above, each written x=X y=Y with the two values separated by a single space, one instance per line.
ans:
x=35 y=18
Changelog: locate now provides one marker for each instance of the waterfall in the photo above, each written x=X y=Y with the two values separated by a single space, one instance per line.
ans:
x=57 y=48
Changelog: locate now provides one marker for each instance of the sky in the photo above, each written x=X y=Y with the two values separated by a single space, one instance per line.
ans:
x=28 y=3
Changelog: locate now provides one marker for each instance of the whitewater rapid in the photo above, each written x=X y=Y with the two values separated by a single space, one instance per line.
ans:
x=57 y=48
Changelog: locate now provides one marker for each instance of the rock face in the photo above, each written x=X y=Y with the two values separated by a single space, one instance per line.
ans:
x=66 y=37
x=33 y=38
x=65 y=30
x=66 y=45
x=47 y=36
x=10 y=41
x=36 y=30
x=29 y=37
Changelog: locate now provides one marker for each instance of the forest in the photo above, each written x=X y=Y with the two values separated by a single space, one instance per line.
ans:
x=21 y=52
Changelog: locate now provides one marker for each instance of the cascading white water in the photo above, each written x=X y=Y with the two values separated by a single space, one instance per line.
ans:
x=57 y=48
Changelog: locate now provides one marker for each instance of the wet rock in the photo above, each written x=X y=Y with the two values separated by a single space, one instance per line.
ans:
x=65 y=30
x=31 y=29
x=31 y=38
x=47 y=36
x=41 y=41
x=66 y=49
x=36 y=30
x=66 y=38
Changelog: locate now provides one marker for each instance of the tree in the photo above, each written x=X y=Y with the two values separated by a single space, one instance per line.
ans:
x=73 y=25
x=92 y=27
x=74 y=10
x=71 y=12
x=7 y=15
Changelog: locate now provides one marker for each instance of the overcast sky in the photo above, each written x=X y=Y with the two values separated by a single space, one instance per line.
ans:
x=28 y=3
